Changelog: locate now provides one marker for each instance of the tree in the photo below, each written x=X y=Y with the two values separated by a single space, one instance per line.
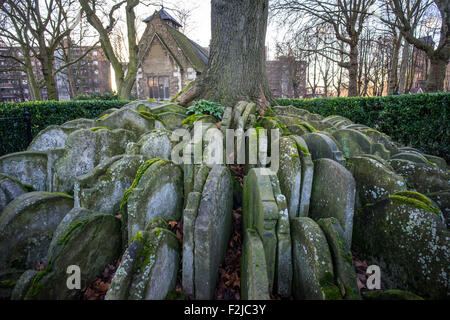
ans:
x=439 y=56
x=346 y=18
x=236 y=67
x=39 y=27
x=125 y=73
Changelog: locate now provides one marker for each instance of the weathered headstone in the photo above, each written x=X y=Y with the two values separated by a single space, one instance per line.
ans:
x=333 y=195
x=313 y=267
x=212 y=230
x=27 y=226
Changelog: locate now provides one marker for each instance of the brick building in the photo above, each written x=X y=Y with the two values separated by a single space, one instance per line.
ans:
x=91 y=75
x=287 y=77
x=168 y=60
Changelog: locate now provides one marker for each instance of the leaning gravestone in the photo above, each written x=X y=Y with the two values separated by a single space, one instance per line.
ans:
x=352 y=142
x=212 y=230
x=333 y=195
x=90 y=244
x=101 y=190
x=406 y=237
x=50 y=138
x=27 y=226
x=85 y=150
x=307 y=175
x=321 y=146
x=158 y=194
x=374 y=180
x=424 y=178
x=290 y=175
x=254 y=282
x=149 y=267
x=29 y=167
x=260 y=212
x=342 y=258
x=313 y=267
x=10 y=189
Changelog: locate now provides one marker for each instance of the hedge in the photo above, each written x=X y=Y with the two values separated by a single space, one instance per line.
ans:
x=418 y=120
x=13 y=126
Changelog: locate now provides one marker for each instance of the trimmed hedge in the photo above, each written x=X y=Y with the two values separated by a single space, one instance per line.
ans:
x=13 y=126
x=418 y=120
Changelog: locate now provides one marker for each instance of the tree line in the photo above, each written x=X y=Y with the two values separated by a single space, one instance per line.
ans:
x=353 y=47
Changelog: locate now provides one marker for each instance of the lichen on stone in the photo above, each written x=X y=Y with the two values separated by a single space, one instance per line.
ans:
x=415 y=199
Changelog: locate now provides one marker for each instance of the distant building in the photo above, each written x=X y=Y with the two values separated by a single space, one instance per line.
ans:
x=287 y=77
x=91 y=75
x=168 y=60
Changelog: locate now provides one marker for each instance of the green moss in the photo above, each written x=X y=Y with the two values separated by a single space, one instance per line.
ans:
x=151 y=117
x=36 y=286
x=269 y=112
x=58 y=193
x=72 y=227
x=147 y=251
x=189 y=121
x=372 y=130
x=415 y=199
x=391 y=294
x=182 y=91
x=301 y=149
x=142 y=169
x=307 y=126
x=329 y=288
x=8 y=284
x=99 y=128
x=103 y=116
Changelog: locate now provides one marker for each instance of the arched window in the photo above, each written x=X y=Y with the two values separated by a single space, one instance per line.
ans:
x=158 y=87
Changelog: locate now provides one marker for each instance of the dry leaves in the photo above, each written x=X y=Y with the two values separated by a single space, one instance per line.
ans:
x=98 y=287
x=229 y=284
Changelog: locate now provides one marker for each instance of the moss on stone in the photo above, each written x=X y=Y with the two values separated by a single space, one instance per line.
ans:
x=103 y=116
x=307 y=126
x=151 y=117
x=57 y=193
x=329 y=288
x=415 y=199
x=391 y=294
x=72 y=227
x=189 y=121
x=182 y=91
x=8 y=284
x=142 y=169
x=99 y=128
x=36 y=286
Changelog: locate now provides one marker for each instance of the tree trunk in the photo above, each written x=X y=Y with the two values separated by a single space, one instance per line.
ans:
x=32 y=83
x=393 y=71
x=236 y=67
x=353 y=72
x=403 y=68
x=436 y=77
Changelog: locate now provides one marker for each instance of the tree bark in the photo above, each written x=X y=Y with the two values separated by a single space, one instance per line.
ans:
x=236 y=67
x=393 y=71
x=436 y=77
x=353 y=72
x=403 y=68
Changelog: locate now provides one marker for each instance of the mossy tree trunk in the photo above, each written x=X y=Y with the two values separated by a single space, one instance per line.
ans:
x=237 y=65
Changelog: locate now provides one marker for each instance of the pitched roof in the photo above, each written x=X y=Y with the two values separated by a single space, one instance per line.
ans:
x=165 y=16
x=196 y=54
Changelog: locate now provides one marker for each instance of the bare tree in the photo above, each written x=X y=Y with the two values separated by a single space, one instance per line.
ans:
x=39 y=27
x=439 y=57
x=345 y=17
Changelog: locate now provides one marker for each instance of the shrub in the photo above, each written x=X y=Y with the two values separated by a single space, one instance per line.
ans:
x=107 y=96
x=418 y=120
x=206 y=107
x=13 y=136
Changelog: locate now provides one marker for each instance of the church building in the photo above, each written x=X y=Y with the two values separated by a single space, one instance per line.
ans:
x=168 y=60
